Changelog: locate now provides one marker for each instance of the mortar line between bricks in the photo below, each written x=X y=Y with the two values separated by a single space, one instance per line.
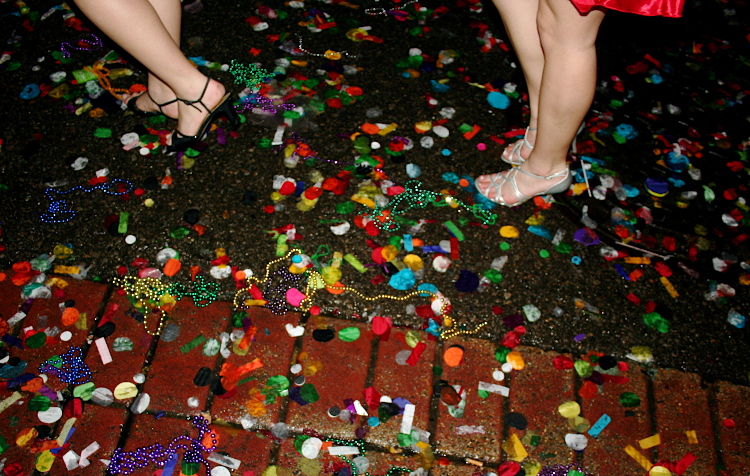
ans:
x=653 y=423
x=97 y=319
x=435 y=401
x=713 y=409
x=217 y=367
x=578 y=456
x=273 y=456
x=374 y=351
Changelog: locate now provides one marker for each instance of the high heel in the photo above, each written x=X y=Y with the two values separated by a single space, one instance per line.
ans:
x=133 y=106
x=497 y=181
x=181 y=142
x=514 y=158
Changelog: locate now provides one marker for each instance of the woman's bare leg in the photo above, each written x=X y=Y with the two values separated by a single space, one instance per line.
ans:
x=170 y=14
x=520 y=20
x=136 y=26
x=567 y=90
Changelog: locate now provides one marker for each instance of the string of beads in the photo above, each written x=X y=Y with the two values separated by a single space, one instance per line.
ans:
x=127 y=462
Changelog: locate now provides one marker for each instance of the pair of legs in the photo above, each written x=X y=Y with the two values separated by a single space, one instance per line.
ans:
x=556 y=48
x=149 y=30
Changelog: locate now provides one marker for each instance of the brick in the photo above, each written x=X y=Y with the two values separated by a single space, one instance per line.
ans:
x=478 y=364
x=101 y=425
x=274 y=347
x=343 y=376
x=732 y=404
x=125 y=364
x=88 y=298
x=169 y=381
x=251 y=448
x=605 y=454
x=13 y=420
x=10 y=297
x=678 y=394
x=536 y=392
x=414 y=383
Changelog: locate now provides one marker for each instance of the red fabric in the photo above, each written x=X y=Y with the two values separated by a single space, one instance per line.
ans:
x=665 y=8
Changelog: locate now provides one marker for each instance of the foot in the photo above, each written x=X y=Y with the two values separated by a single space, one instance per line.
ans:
x=192 y=116
x=517 y=185
x=519 y=151
x=147 y=105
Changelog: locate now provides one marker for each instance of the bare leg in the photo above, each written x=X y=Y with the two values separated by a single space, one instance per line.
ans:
x=136 y=26
x=170 y=14
x=566 y=92
x=520 y=20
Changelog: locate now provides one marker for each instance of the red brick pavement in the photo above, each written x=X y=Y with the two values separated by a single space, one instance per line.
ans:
x=263 y=428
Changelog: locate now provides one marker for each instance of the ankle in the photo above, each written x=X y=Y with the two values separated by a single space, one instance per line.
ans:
x=544 y=170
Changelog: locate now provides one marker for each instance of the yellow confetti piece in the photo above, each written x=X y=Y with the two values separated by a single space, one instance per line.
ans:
x=44 y=461
x=659 y=471
x=670 y=289
x=67 y=269
x=637 y=260
x=639 y=458
x=509 y=231
x=650 y=442
x=569 y=409
x=514 y=448
x=692 y=437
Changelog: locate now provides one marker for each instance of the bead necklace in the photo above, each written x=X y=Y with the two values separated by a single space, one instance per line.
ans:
x=329 y=54
x=251 y=75
x=147 y=292
x=58 y=210
x=203 y=294
x=383 y=11
x=360 y=444
x=68 y=367
x=127 y=462
x=65 y=47
x=414 y=196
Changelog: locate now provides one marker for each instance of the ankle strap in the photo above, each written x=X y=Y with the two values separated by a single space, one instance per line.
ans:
x=562 y=173
x=199 y=100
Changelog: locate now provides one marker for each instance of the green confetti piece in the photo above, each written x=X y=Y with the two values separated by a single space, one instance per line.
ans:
x=39 y=403
x=103 y=133
x=179 y=232
x=190 y=469
x=309 y=393
x=493 y=275
x=483 y=394
x=349 y=334
x=36 y=341
x=84 y=391
x=454 y=230
x=505 y=246
x=583 y=368
x=544 y=253
x=563 y=248
x=653 y=320
x=122 y=225
x=629 y=400
x=501 y=353
x=195 y=342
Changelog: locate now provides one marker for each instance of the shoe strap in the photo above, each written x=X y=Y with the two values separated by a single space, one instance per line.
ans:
x=199 y=100
x=562 y=173
x=162 y=104
x=525 y=140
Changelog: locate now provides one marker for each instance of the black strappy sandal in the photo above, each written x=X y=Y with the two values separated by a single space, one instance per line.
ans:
x=132 y=106
x=181 y=142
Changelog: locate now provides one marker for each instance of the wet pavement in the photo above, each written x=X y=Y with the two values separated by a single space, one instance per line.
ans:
x=644 y=261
